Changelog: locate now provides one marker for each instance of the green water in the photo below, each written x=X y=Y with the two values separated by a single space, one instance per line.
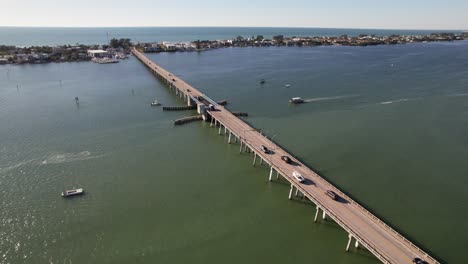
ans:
x=395 y=139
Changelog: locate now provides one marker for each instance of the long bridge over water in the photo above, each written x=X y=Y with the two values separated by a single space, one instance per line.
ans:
x=363 y=228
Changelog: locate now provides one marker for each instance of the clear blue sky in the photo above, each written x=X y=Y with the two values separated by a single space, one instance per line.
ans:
x=395 y=14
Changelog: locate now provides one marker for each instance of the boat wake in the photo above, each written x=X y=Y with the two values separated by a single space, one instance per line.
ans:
x=457 y=94
x=51 y=159
x=394 y=101
x=311 y=100
x=68 y=157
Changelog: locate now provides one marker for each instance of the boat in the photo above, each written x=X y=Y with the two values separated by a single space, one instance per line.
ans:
x=155 y=103
x=296 y=100
x=104 y=60
x=262 y=81
x=287 y=85
x=72 y=192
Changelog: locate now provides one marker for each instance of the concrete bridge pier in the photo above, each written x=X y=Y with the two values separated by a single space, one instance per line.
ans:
x=255 y=159
x=316 y=214
x=291 y=191
x=271 y=173
x=240 y=150
x=211 y=122
x=324 y=215
x=220 y=126
x=229 y=138
x=349 y=242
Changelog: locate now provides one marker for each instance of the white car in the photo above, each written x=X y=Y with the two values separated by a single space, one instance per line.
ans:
x=298 y=177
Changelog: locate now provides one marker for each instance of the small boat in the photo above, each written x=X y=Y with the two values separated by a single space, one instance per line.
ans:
x=287 y=85
x=296 y=100
x=73 y=192
x=155 y=103
x=262 y=81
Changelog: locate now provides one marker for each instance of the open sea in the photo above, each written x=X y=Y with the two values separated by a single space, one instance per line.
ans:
x=387 y=124
x=42 y=36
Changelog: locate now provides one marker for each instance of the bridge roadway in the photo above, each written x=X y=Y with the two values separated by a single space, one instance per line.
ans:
x=363 y=227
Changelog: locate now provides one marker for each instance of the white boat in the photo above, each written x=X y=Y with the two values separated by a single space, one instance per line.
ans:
x=155 y=103
x=296 y=100
x=72 y=192
x=287 y=85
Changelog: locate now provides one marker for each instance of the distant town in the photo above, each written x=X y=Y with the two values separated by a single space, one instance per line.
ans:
x=120 y=48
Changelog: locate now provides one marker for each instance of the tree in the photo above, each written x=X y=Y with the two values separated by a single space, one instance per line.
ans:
x=278 y=39
x=240 y=38
x=259 y=38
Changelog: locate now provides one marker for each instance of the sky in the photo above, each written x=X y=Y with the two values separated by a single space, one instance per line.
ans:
x=395 y=14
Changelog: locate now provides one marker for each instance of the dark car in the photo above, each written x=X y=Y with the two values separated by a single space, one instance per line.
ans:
x=264 y=149
x=174 y=79
x=419 y=261
x=332 y=194
x=286 y=159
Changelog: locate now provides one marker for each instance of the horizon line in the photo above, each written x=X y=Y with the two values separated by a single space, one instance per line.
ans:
x=298 y=27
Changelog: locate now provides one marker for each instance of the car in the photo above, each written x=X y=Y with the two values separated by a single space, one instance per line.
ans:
x=419 y=261
x=211 y=107
x=332 y=194
x=264 y=149
x=298 y=177
x=174 y=80
x=286 y=159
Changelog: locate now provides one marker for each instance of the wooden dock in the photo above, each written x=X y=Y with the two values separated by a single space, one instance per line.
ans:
x=363 y=227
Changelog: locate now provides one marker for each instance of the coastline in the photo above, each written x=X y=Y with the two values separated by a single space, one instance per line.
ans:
x=118 y=49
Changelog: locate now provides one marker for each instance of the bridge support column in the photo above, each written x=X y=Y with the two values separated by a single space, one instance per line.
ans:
x=316 y=214
x=255 y=158
x=225 y=129
x=220 y=126
x=229 y=138
x=324 y=215
x=291 y=192
x=349 y=242
x=240 y=150
x=277 y=175
x=297 y=191
x=271 y=173
x=261 y=160
x=356 y=244
x=211 y=122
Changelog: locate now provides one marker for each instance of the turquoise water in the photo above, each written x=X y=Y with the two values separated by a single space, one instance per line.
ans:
x=387 y=124
x=28 y=36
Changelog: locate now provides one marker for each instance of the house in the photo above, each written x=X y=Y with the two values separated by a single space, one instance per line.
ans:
x=98 y=53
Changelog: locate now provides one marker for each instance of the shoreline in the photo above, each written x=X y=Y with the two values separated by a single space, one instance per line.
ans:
x=118 y=49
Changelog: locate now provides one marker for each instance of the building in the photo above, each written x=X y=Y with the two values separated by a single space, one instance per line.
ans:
x=98 y=53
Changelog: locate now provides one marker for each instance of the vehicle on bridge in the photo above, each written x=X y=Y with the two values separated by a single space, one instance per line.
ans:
x=332 y=194
x=286 y=159
x=264 y=149
x=211 y=107
x=419 y=261
x=298 y=177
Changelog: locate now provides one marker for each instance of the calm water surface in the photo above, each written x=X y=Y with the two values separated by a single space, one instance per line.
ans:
x=28 y=36
x=387 y=124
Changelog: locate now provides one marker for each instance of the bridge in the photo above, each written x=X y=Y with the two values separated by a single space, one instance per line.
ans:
x=363 y=228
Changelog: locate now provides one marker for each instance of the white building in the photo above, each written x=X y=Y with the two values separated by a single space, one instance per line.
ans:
x=98 y=53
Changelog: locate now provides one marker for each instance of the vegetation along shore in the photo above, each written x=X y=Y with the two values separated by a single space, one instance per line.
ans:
x=120 y=48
